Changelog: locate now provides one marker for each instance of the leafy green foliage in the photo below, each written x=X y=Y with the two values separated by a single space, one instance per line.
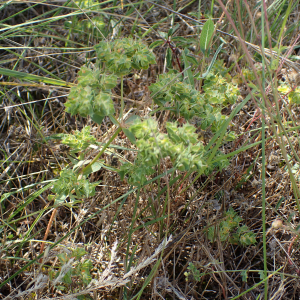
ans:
x=95 y=26
x=180 y=144
x=206 y=36
x=92 y=95
x=244 y=274
x=83 y=27
x=74 y=270
x=79 y=140
x=185 y=101
x=218 y=90
x=121 y=56
x=193 y=271
x=230 y=230
x=71 y=185
x=293 y=95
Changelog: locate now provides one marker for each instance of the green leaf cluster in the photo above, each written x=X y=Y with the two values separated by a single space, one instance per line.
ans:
x=79 y=272
x=230 y=230
x=293 y=95
x=123 y=55
x=79 y=140
x=95 y=27
x=184 y=100
x=193 y=271
x=92 y=95
x=180 y=144
x=72 y=185
x=218 y=90
x=219 y=67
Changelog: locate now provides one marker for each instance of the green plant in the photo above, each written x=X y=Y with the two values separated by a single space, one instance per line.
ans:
x=185 y=101
x=79 y=141
x=71 y=184
x=293 y=94
x=229 y=230
x=36 y=53
x=92 y=96
x=192 y=271
x=94 y=26
x=74 y=271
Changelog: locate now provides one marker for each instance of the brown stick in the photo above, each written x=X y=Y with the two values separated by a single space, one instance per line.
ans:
x=47 y=232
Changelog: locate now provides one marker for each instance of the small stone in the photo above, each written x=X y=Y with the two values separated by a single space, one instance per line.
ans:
x=277 y=224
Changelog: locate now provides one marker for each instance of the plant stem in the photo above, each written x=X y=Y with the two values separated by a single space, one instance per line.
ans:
x=102 y=151
x=263 y=171
x=47 y=231
x=122 y=100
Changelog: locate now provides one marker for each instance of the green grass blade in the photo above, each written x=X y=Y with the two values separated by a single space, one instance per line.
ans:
x=36 y=78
